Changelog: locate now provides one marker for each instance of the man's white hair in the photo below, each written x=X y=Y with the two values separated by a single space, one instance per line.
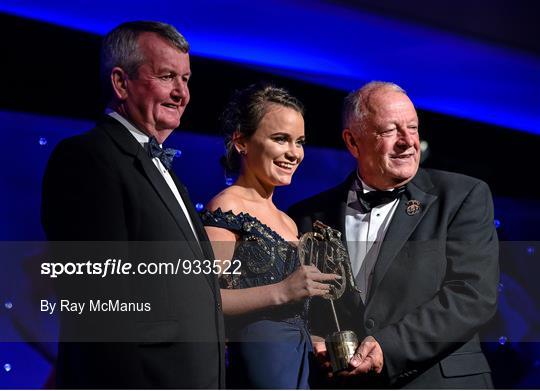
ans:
x=356 y=104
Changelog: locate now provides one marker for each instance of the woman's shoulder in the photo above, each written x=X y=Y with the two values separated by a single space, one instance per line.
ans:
x=225 y=210
x=227 y=201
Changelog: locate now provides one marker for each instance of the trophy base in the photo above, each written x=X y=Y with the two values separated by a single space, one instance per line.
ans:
x=341 y=346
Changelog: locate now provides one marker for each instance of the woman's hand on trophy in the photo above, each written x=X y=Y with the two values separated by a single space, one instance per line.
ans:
x=306 y=281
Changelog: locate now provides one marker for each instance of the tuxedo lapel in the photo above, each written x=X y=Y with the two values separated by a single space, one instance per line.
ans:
x=340 y=226
x=194 y=216
x=334 y=215
x=168 y=198
x=402 y=226
x=351 y=300
x=199 y=229
x=127 y=143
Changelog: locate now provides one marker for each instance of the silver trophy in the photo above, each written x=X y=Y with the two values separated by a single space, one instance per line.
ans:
x=324 y=249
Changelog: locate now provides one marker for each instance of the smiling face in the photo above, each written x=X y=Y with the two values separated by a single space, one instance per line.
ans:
x=386 y=143
x=275 y=150
x=156 y=98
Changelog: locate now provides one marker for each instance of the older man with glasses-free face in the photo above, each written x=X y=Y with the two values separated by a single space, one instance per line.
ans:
x=115 y=184
x=423 y=250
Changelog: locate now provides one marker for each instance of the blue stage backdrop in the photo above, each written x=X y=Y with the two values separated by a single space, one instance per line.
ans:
x=336 y=46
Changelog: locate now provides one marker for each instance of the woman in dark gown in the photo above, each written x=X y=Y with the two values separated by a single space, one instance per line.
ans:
x=266 y=303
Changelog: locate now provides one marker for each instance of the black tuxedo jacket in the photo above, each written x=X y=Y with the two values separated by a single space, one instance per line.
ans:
x=434 y=283
x=102 y=186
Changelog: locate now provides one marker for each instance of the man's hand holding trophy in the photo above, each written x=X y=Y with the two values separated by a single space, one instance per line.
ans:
x=324 y=249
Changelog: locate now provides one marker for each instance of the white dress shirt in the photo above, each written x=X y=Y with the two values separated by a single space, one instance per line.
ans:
x=143 y=139
x=365 y=233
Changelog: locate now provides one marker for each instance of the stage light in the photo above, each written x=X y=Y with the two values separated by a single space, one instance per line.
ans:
x=42 y=141
x=503 y=340
x=229 y=181
x=178 y=153
x=8 y=305
x=497 y=223
x=199 y=206
x=7 y=367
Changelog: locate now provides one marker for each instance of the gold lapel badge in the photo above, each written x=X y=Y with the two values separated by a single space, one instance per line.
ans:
x=413 y=207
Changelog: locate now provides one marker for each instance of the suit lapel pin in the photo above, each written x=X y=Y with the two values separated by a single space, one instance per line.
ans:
x=413 y=207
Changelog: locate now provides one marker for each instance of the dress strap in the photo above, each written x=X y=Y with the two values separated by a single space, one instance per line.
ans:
x=220 y=219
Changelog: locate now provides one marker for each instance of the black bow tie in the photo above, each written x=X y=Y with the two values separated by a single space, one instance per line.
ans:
x=375 y=198
x=166 y=155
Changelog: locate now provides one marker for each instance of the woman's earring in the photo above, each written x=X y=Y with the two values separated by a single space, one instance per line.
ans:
x=243 y=152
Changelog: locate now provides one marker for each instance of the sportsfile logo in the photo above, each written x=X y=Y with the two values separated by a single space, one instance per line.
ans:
x=113 y=267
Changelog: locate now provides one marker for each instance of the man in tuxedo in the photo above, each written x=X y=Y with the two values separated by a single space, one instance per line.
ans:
x=114 y=184
x=423 y=250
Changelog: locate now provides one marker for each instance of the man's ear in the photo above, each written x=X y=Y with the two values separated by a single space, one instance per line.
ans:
x=119 y=80
x=239 y=142
x=351 y=141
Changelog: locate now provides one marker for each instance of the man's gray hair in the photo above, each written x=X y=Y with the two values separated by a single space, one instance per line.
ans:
x=356 y=104
x=120 y=47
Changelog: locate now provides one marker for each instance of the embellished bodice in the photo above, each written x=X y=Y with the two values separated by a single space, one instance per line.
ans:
x=268 y=348
x=265 y=257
